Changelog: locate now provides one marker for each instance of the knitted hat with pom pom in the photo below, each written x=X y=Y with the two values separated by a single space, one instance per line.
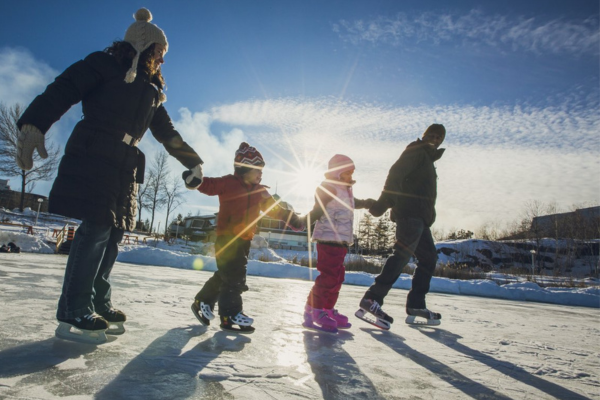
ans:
x=248 y=157
x=141 y=35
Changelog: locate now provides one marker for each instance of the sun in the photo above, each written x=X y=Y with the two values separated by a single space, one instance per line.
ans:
x=306 y=179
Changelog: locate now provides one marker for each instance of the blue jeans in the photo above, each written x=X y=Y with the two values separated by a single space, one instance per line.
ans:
x=86 y=287
x=413 y=238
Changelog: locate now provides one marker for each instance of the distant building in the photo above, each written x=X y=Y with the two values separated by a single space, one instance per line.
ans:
x=202 y=228
x=280 y=236
x=11 y=199
x=581 y=222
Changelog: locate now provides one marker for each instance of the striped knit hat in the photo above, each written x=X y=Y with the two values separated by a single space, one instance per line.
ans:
x=141 y=35
x=248 y=157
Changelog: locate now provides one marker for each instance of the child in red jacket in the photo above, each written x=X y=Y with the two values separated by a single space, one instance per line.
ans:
x=241 y=200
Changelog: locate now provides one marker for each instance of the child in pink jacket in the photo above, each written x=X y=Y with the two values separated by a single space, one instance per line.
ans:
x=334 y=215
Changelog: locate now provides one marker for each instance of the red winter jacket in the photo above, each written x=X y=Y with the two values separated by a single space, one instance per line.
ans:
x=240 y=205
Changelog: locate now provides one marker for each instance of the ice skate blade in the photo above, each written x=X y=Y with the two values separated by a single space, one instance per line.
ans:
x=412 y=320
x=200 y=317
x=115 y=328
x=245 y=330
x=378 y=322
x=317 y=328
x=69 y=332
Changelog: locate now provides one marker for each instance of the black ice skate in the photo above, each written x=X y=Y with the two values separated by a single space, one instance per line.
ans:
x=425 y=317
x=203 y=312
x=87 y=329
x=115 y=319
x=381 y=320
x=241 y=320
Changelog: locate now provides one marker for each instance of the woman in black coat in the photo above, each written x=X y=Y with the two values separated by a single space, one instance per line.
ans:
x=121 y=91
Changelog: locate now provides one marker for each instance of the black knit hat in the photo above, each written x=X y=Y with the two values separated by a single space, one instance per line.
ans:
x=435 y=128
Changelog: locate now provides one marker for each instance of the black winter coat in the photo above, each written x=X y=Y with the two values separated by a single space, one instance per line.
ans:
x=98 y=175
x=411 y=186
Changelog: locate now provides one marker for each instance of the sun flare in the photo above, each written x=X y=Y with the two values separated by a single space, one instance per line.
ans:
x=306 y=179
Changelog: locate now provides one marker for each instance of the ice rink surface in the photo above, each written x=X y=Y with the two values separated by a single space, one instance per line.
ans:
x=484 y=349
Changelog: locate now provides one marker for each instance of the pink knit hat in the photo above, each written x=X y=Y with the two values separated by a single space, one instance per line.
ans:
x=338 y=164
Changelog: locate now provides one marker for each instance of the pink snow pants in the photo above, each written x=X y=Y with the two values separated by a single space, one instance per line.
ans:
x=330 y=264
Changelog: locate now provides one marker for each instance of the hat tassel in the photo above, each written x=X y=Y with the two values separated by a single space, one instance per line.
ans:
x=132 y=73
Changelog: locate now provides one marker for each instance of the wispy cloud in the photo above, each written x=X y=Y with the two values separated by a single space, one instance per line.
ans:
x=570 y=126
x=498 y=156
x=22 y=76
x=556 y=36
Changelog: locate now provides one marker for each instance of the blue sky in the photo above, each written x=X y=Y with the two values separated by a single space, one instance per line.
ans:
x=516 y=84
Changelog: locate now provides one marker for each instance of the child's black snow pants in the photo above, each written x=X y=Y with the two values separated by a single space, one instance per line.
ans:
x=229 y=281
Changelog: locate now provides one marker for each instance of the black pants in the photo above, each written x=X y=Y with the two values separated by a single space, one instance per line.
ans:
x=229 y=281
x=413 y=238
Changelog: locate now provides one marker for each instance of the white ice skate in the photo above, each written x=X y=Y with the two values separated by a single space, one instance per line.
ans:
x=422 y=316
x=88 y=329
x=207 y=311
x=243 y=321
x=369 y=309
x=203 y=312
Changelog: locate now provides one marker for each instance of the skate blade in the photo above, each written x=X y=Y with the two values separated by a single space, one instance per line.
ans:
x=317 y=328
x=412 y=320
x=378 y=322
x=200 y=317
x=69 y=332
x=115 y=328
x=246 y=330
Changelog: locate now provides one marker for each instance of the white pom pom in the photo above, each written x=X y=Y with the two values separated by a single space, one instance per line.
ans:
x=143 y=14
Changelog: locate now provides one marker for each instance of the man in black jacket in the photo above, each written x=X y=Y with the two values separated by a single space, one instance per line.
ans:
x=410 y=191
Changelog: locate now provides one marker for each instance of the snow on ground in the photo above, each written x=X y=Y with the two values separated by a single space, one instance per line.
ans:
x=522 y=291
x=180 y=255
x=485 y=348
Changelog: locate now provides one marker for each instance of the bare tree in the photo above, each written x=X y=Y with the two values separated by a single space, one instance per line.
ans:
x=43 y=169
x=533 y=210
x=157 y=177
x=142 y=200
x=173 y=198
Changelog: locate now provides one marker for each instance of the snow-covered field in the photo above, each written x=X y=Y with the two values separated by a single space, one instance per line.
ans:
x=485 y=348
x=180 y=255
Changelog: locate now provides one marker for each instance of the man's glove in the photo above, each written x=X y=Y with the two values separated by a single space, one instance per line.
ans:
x=378 y=208
x=30 y=138
x=370 y=203
x=193 y=177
